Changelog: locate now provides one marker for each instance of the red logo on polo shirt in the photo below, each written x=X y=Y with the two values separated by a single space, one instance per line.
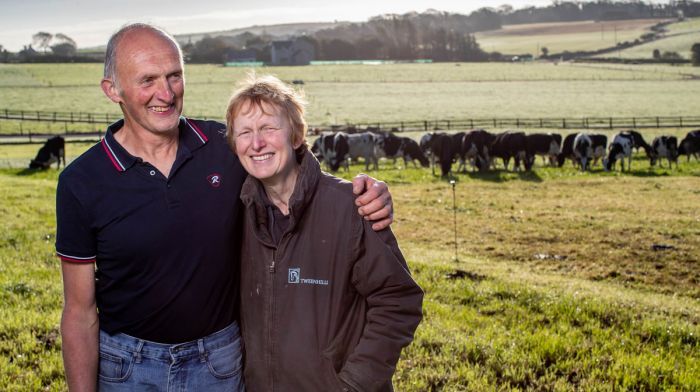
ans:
x=214 y=180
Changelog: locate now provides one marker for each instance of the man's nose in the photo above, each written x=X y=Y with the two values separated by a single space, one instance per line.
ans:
x=164 y=91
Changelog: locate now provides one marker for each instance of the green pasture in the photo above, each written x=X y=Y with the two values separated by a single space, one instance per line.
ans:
x=680 y=44
x=572 y=37
x=382 y=93
x=557 y=285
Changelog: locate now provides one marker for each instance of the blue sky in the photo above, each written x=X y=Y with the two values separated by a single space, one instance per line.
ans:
x=90 y=23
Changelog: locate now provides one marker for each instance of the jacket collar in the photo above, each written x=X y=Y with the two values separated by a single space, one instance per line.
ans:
x=255 y=199
x=190 y=139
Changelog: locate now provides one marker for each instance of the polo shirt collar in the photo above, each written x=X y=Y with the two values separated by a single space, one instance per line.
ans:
x=191 y=138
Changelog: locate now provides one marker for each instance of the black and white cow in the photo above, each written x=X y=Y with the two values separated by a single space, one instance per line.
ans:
x=664 y=147
x=620 y=148
x=442 y=148
x=364 y=145
x=638 y=141
x=53 y=150
x=317 y=147
x=690 y=145
x=599 y=143
x=389 y=146
x=583 y=150
x=335 y=150
x=548 y=145
x=567 y=150
x=457 y=151
x=412 y=151
x=476 y=146
x=508 y=145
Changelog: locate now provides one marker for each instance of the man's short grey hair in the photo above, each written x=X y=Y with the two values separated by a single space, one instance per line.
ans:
x=110 y=71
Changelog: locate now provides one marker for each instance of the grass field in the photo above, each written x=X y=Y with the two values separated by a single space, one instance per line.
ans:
x=384 y=93
x=560 y=37
x=680 y=38
x=557 y=286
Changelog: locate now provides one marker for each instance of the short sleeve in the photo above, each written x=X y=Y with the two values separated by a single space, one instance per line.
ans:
x=75 y=240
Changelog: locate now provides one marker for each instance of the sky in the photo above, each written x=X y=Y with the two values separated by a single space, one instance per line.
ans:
x=91 y=22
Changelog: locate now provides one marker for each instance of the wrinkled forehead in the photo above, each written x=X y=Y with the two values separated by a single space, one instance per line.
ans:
x=141 y=43
x=250 y=105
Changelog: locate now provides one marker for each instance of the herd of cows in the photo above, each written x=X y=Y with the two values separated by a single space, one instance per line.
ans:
x=477 y=147
x=480 y=148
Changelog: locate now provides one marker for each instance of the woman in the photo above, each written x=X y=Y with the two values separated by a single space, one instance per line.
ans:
x=327 y=303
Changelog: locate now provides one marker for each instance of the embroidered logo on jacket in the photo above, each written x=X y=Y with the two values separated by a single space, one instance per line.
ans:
x=294 y=277
x=214 y=180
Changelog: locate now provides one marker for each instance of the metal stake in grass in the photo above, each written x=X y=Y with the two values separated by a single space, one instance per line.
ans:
x=454 y=212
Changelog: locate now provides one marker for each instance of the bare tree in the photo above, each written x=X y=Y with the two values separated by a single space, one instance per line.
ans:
x=42 y=40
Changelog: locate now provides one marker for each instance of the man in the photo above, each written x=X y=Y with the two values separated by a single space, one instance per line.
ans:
x=153 y=208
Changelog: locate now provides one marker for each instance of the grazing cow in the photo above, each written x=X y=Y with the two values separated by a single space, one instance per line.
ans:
x=511 y=145
x=335 y=150
x=317 y=147
x=53 y=150
x=457 y=151
x=364 y=145
x=476 y=145
x=567 y=150
x=599 y=143
x=638 y=141
x=546 y=144
x=412 y=151
x=664 y=147
x=583 y=150
x=389 y=145
x=690 y=145
x=620 y=148
x=442 y=150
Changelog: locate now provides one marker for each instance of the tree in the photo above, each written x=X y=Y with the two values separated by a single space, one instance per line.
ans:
x=696 y=54
x=64 y=46
x=545 y=51
x=42 y=39
x=656 y=54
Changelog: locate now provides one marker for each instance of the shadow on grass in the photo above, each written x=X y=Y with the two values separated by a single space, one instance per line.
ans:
x=500 y=175
x=31 y=172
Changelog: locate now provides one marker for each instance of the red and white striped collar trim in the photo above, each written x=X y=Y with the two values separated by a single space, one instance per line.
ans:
x=76 y=259
x=121 y=165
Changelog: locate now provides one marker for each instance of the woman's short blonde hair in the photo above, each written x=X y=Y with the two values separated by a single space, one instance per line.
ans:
x=267 y=90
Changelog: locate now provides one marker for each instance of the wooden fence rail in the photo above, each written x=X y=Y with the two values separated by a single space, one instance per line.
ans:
x=424 y=125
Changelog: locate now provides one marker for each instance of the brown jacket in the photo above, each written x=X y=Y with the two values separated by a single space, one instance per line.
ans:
x=330 y=307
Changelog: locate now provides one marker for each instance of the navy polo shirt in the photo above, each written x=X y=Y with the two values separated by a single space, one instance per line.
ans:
x=166 y=249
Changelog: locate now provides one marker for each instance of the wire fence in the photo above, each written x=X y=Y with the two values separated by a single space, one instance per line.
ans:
x=83 y=125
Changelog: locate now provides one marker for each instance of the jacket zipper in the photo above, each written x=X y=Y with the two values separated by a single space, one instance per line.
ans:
x=271 y=318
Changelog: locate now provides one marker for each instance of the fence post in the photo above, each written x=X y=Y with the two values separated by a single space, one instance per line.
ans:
x=611 y=123
x=425 y=125
x=20 y=128
x=71 y=117
x=634 y=122
x=494 y=123
x=657 y=122
x=471 y=123
x=30 y=136
x=22 y=114
x=563 y=123
x=402 y=127
x=448 y=125
x=680 y=120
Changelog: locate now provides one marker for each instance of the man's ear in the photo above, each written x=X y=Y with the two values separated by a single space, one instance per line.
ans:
x=111 y=91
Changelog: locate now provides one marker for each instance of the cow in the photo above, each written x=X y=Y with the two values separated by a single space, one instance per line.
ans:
x=476 y=145
x=412 y=151
x=690 y=145
x=389 y=145
x=620 y=148
x=457 y=151
x=53 y=150
x=600 y=145
x=511 y=144
x=664 y=147
x=583 y=150
x=443 y=151
x=638 y=141
x=567 y=150
x=364 y=145
x=335 y=150
x=317 y=147
x=546 y=144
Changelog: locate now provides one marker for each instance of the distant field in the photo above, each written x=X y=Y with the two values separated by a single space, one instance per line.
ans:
x=680 y=38
x=384 y=93
x=558 y=37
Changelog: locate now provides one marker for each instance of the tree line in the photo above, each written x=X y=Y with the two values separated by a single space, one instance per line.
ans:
x=434 y=35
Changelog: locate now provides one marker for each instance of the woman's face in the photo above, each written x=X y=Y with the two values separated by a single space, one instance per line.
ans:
x=263 y=141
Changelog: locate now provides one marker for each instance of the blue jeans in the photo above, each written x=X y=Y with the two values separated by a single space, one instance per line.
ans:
x=213 y=363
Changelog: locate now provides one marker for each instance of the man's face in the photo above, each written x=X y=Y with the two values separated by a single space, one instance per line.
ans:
x=151 y=82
